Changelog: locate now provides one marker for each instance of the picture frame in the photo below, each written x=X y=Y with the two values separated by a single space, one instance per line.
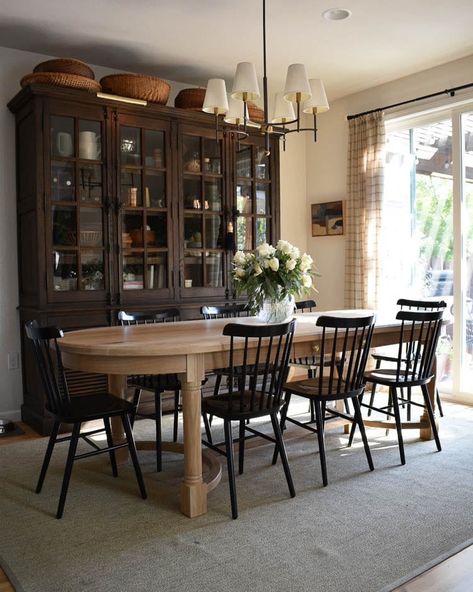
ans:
x=327 y=218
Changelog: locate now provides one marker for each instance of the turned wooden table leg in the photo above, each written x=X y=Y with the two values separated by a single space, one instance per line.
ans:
x=426 y=433
x=117 y=386
x=193 y=488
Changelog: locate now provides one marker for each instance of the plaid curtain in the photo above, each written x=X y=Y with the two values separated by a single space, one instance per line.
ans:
x=363 y=210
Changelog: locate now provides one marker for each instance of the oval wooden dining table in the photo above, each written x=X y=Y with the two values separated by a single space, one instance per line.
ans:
x=190 y=348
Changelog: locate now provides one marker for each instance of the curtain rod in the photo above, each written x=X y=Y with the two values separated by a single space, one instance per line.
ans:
x=447 y=91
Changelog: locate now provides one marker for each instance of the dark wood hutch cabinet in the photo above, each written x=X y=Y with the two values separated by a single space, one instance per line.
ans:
x=128 y=206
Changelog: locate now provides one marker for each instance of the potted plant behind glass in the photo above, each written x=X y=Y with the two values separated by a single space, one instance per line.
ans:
x=272 y=277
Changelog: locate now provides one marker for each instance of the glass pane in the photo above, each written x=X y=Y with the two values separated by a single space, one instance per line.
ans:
x=262 y=198
x=62 y=136
x=156 y=230
x=261 y=231
x=133 y=271
x=131 y=188
x=154 y=149
x=192 y=194
x=244 y=232
x=213 y=195
x=155 y=191
x=213 y=232
x=262 y=164
x=64 y=265
x=193 y=232
x=214 y=269
x=212 y=156
x=90 y=141
x=193 y=269
x=91 y=230
x=90 y=183
x=243 y=198
x=64 y=226
x=62 y=182
x=132 y=230
x=191 y=154
x=130 y=145
x=92 y=270
x=156 y=271
x=467 y=358
x=243 y=161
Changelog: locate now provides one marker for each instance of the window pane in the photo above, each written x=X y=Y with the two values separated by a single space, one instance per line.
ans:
x=62 y=136
x=91 y=232
x=154 y=149
x=193 y=269
x=262 y=164
x=214 y=269
x=261 y=231
x=244 y=232
x=262 y=198
x=62 y=182
x=90 y=141
x=156 y=230
x=133 y=230
x=193 y=232
x=131 y=188
x=130 y=146
x=92 y=271
x=64 y=226
x=243 y=161
x=213 y=232
x=191 y=154
x=90 y=183
x=133 y=271
x=156 y=271
x=213 y=195
x=64 y=265
x=192 y=194
x=155 y=192
x=243 y=198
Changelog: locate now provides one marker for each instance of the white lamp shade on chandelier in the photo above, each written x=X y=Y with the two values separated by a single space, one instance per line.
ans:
x=297 y=84
x=245 y=83
x=283 y=110
x=215 y=100
x=318 y=101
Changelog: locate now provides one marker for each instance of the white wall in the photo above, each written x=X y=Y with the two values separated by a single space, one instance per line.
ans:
x=327 y=160
x=13 y=65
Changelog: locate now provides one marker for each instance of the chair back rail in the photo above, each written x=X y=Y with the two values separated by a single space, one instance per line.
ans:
x=169 y=315
x=421 y=304
x=305 y=305
x=255 y=383
x=227 y=311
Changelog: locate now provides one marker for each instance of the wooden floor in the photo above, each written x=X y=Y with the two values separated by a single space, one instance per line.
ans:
x=455 y=574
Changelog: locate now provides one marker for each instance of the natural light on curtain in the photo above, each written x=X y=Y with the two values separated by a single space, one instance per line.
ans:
x=364 y=210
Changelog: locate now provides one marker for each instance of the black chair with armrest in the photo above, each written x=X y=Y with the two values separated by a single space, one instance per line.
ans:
x=158 y=383
x=258 y=364
x=344 y=347
x=76 y=411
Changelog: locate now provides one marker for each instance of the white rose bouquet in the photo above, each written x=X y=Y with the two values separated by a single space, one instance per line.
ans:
x=272 y=273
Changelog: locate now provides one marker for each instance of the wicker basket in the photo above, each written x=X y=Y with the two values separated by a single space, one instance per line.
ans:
x=66 y=66
x=136 y=86
x=256 y=113
x=60 y=79
x=190 y=98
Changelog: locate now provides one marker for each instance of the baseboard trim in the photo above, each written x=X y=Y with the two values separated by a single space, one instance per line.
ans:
x=11 y=415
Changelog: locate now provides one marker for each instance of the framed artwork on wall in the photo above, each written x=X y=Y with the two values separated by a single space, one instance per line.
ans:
x=327 y=218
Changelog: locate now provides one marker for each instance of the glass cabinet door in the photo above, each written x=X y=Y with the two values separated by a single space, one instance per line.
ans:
x=253 y=195
x=145 y=207
x=203 y=213
x=77 y=214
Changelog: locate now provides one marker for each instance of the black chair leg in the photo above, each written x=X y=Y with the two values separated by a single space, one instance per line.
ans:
x=241 y=447
x=373 y=389
x=430 y=413
x=113 y=460
x=361 y=425
x=159 y=437
x=409 y=398
x=397 y=416
x=231 y=470
x=218 y=382
x=68 y=470
x=320 y=438
x=283 y=453
x=133 y=454
x=287 y=400
x=176 y=416
x=47 y=456
x=439 y=402
x=208 y=432
x=136 y=402
x=353 y=426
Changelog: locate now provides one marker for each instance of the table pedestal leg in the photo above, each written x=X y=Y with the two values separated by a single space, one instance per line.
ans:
x=117 y=386
x=193 y=488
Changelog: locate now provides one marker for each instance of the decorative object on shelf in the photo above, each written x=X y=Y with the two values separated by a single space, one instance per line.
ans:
x=308 y=96
x=61 y=79
x=327 y=218
x=64 y=144
x=126 y=240
x=272 y=277
x=90 y=238
x=133 y=196
x=66 y=66
x=192 y=164
x=89 y=145
x=137 y=237
x=137 y=86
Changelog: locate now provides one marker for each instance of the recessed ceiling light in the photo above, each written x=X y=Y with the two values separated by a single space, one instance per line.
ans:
x=336 y=14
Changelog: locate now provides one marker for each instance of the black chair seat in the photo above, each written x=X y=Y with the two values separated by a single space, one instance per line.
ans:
x=311 y=388
x=245 y=406
x=96 y=406
x=387 y=377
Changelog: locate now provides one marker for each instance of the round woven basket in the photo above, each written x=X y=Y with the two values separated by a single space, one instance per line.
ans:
x=60 y=79
x=190 y=98
x=256 y=113
x=137 y=86
x=66 y=66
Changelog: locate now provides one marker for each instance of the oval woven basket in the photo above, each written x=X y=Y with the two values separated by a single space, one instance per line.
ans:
x=66 y=66
x=256 y=113
x=60 y=79
x=190 y=98
x=137 y=86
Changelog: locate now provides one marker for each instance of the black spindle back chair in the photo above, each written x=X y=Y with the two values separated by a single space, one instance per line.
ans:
x=227 y=311
x=76 y=410
x=344 y=346
x=155 y=383
x=257 y=367
x=418 y=337
x=305 y=305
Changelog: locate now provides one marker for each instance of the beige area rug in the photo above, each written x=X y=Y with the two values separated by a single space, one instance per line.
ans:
x=362 y=533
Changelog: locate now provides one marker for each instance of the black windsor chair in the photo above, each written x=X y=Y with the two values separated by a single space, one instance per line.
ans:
x=76 y=410
x=386 y=354
x=158 y=383
x=256 y=377
x=342 y=378
x=418 y=338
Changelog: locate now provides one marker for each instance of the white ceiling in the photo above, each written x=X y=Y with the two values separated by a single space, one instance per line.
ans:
x=192 y=40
